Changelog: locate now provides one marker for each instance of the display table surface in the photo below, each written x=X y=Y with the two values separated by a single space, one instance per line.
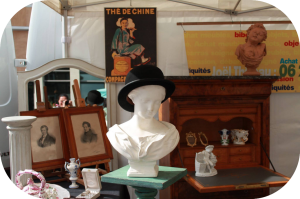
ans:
x=146 y=187
x=237 y=178
x=166 y=177
x=108 y=191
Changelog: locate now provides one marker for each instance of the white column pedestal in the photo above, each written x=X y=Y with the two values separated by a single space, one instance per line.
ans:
x=19 y=144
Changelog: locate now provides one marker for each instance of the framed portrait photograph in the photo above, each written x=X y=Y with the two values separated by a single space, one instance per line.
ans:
x=49 y=146
x=86 y=131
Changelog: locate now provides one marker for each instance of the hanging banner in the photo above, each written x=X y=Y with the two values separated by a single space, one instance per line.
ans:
x=130 y=40
x=212 y=53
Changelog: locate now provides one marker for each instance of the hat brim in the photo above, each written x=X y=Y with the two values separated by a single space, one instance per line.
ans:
x=122 y=97
x=91 y=103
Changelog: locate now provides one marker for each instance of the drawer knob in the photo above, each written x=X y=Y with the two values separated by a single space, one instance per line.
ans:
x=241 y=110
x=240 y=158
x=222 y=88
x=240 y=150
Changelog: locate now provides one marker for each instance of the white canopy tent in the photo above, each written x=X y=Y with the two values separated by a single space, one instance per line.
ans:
x=236 y=6
x=85 y=28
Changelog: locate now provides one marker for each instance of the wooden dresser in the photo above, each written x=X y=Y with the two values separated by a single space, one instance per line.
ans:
x=210 y=104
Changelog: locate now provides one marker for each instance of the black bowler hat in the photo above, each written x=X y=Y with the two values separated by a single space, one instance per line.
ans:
x=94 y=97
x=143 y=76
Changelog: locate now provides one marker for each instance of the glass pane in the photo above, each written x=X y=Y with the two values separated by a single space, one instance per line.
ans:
x=86 y=87
x=57 y=76
x=54 y=89
x=84 y=76
x=30 y=96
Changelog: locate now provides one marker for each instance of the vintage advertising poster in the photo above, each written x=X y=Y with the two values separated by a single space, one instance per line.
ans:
x=130 y=40
x=212 y=53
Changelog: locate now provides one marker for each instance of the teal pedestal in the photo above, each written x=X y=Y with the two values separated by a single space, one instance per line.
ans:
x=146 y=188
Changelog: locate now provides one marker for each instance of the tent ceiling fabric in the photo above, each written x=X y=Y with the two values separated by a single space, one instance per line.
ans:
x=161 y=5
x=54 y=4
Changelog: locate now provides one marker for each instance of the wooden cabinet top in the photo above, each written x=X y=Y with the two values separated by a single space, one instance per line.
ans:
x=230 y=78
x=189 y=86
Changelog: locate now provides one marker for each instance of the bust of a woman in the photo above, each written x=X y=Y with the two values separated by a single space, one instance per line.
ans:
x=143 y=140
x=252 y=52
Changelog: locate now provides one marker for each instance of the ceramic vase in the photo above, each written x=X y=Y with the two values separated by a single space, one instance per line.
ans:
x=224 y=137
x=72 y=168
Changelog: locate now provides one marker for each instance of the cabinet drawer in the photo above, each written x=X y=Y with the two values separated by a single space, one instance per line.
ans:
x=239 y=150
x=217 y=111
x=221 y=157
x=240 y=158
x=221 y=88
x=189 y=155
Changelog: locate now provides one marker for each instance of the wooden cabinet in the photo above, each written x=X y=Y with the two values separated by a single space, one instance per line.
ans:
x=209 y=104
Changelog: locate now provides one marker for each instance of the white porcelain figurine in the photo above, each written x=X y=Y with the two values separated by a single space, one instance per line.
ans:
x=143 y=140
x=239 y=136
x=205 y=162
x=224 y=137
x=72 y=168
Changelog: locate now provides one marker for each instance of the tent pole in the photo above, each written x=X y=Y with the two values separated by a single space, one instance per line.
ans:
x=236 y=5
x=255 y=9
x=198 y=5
x=65 y=35
x=231 y=23
x=94 y=3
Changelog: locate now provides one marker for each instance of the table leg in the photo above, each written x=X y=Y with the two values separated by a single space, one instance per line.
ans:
x=145 y=193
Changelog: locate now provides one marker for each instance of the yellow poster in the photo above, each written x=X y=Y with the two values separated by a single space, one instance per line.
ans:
x=212 y=53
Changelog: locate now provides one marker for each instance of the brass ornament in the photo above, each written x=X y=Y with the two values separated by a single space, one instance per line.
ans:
x=191 y=139
x=203 y=135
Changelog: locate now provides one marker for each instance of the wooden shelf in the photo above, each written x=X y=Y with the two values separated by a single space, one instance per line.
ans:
x=216 y=145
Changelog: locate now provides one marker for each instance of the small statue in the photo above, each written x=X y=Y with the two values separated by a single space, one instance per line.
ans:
x=224 y=137
x=205 y=162
x=252 y=52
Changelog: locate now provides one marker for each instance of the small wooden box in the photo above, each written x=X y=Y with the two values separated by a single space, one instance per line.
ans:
x=122 y=65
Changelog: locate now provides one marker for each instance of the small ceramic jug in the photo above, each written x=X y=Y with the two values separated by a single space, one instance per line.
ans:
x=241 y=136
x=224 y=137
x=233 y=135
x=72 y=168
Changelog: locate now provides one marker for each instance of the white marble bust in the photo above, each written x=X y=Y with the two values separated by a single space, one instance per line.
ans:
x=143 y=140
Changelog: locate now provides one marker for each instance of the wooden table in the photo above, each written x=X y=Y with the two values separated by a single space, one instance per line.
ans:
x=237 y=179
x=146 y=188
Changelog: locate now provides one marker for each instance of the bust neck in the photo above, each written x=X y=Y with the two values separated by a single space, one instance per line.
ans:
x=253 y=43
x=140 y=127
x=141 y=123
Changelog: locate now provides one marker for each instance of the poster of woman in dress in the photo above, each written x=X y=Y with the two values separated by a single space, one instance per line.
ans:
x=130 y=40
